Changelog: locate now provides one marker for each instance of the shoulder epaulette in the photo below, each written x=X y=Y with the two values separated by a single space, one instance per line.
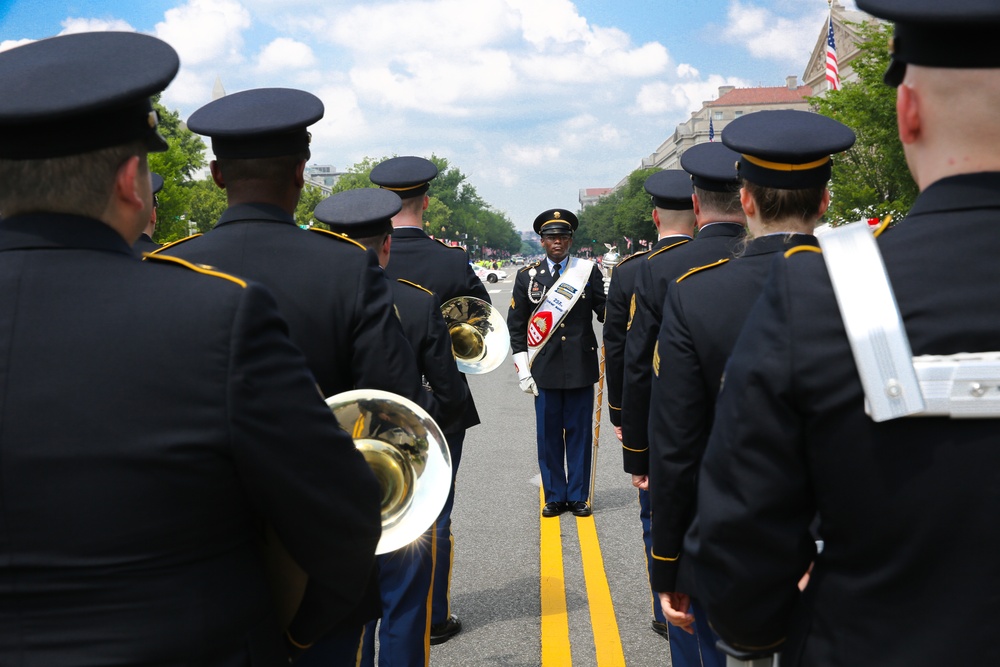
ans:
x=632 y=256
x=802 y=248
x=698 y=269
x=198 y=268
x=172 y=244
x=335 y=235
x=666 y=248
x=529 y=266
x=420 y=287
x=456 y=247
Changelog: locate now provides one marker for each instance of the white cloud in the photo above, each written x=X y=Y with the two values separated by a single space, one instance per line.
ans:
x=206 y=31
x=686 y=71
x=389 y=29
x=342 y=117
x=76 y=25
x=285 y=54
x=545 y=22
x=188 y=90
x=13 y=43
x=664 y=97
x=767 y=35
x=531 y=155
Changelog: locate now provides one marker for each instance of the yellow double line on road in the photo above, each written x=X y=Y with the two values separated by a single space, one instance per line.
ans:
x=555 y=620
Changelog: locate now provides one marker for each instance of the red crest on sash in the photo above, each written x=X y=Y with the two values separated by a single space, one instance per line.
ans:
x=538 y=327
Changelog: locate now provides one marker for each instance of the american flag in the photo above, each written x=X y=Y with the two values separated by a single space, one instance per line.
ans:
x=832 y=73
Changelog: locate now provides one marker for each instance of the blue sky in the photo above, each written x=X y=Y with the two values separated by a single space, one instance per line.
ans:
x=531 y=99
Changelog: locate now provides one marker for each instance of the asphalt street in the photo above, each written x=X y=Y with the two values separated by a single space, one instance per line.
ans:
x=497 y=580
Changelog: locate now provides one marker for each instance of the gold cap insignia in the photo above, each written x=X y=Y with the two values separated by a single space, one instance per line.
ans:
x=152 y=119
x=556 y=215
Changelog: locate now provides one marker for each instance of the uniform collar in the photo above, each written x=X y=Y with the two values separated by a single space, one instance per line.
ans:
x=720 y=229
x=256 y=212
x=60 y=230
x=772 y=243
x=956 y=193
x=564 y=264
x=669 y=240
x=408 y=233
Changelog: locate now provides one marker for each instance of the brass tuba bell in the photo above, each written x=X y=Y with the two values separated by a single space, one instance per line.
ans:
x=408 y=454
x=479 y=336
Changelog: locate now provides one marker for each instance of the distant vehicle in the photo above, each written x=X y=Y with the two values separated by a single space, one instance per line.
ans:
x=489 y=275
x=517 y=259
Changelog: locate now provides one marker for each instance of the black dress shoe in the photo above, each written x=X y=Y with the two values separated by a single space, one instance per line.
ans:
x=553 y=509
x=580 y=508
x=661 y=629
x=442 y=632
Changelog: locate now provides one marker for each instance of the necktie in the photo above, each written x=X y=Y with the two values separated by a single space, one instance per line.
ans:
x=555 y=271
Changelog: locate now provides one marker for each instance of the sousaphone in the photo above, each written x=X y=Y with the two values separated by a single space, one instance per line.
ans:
x=479 y=336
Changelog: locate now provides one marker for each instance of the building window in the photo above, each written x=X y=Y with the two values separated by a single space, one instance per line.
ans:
x=718 y=115
x=737 y=114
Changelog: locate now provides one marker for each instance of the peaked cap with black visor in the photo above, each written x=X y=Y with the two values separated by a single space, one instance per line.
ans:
x=787 y=149
x=79 y=93
x=670 y=189
x=556 y=221
x=361 y=213
x=712 y=167
x=951 y=34
x=258 y=123
x=408 y=176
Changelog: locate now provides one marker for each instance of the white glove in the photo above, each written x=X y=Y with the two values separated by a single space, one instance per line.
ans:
x=524 y=379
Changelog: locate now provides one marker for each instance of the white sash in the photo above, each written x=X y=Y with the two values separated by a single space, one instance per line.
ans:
x=559 y=300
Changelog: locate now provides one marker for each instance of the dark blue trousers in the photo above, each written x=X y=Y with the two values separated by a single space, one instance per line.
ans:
x=646 y=517
x=697 y=650
x=563 y=421
x=404 y=630
x=338 y=649
x=441 y=596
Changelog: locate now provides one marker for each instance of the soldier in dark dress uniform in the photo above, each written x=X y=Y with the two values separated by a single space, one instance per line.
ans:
x=365 y=216
x=563 y=373
x=704 y=312
x=145 y=241
x=330 y=289
x=719 y=218
x=446 y=271
x=135 y=487
x=907 y=507
x=719 y=224
x=671 y=192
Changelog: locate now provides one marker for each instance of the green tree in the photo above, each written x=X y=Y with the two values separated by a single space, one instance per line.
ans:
x=872 y=179
x=455 y=210
x=206 y=204
x=626 y=212
x=597 y=225
x=177 y=165
x=308 y=200
x=633 y=215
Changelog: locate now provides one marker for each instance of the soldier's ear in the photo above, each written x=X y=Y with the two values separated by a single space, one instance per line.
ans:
x=908 y=113
x=300 y=178
x=748 y=202
x=217 y=176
